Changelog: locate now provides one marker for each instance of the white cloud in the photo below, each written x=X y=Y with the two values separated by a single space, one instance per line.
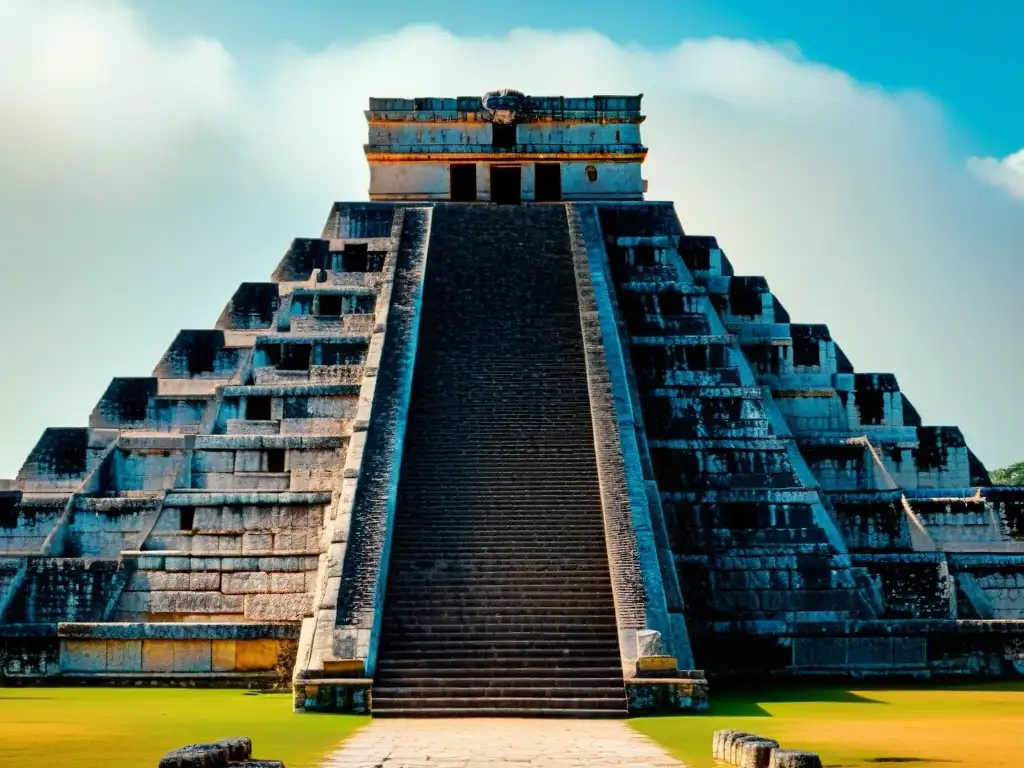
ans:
x=90 y=101
x=1007 y=173
x=848 y=197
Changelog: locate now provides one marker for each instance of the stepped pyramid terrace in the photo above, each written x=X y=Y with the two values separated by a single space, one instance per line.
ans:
x=506 y=439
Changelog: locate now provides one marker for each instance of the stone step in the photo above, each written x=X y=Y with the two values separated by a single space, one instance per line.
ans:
x=521 y=552
x=596 y=605
x=433 y=539
x=455 y=632
x=433 y=570
x=498 y=565
x=501 y=690
x=496 y=668
x=399 y=699
x=506 y=597
x=475 y=709
x=498 y=656
x=515 y=563
x=453 y=625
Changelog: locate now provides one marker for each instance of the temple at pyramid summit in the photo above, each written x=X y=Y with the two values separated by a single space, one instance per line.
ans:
x=506 y=439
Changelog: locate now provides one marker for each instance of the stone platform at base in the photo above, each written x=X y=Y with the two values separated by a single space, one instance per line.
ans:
x=646 y=696
x=223 y=655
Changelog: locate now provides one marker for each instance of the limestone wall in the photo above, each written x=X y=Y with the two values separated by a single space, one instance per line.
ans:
x=432 y=182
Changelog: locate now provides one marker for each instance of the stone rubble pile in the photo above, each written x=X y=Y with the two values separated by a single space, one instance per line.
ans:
x=218 y=754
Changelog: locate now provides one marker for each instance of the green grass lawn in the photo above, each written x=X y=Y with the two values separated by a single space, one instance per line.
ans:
x=978 y=726
x=959 y=727
x=100 y=727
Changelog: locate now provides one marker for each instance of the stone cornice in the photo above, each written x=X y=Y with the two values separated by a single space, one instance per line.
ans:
x=374 y=155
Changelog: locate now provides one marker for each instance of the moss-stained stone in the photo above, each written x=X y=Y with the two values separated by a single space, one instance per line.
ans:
x=651 y=696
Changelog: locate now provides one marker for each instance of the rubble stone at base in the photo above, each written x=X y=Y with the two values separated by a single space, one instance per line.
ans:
x=647 y=696
x=340 y=696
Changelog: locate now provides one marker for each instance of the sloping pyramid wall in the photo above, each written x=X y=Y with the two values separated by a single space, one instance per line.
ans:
x=768 y=509
x=817 y=525
x=182 y=533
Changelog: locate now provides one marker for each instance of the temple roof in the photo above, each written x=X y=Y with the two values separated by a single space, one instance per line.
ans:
x=608 y=108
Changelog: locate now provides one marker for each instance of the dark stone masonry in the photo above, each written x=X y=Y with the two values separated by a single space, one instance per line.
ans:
x=506 y=439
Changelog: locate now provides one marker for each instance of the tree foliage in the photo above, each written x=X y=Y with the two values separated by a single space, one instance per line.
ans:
x=1011 y=475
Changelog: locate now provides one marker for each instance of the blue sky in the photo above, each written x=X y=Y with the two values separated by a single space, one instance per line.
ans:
x=867 y=160
x=964 y=54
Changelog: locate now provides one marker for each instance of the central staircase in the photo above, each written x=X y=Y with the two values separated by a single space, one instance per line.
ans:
x=499 y=598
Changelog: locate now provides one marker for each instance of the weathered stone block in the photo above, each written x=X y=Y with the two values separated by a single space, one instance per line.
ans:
x=192 y=655
x=258 y=518
x=649 y=643
x=208 y=518
x=256 y=655
x=124 y=655
x=195 y=602
x=719 y=741
x=292 y=542
x=276 y=607
x=257 y=542
x=240 y=564
x=655 y=666
x=755 y=752
x=910 y=651
x=245 y=583
x=231 y=519
x=239 y=748
x=222 y=657
x=819 y=651
x=789 y=758
x=215 y=755
x=345 y=667
x=203 y=544
x=83 y=655
x=287 y=582
x=870 y=652
x=204 y=582
x=133 y=602
x=162 y=582
x=158 y=655
x=205 y=564
x=280 y=564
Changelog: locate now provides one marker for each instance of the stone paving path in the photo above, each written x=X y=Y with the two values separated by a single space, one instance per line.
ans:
x=475 y=743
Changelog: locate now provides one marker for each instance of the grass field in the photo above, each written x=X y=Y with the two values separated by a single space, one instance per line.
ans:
x=965 y=727
x=970 y=727
x=100 y=727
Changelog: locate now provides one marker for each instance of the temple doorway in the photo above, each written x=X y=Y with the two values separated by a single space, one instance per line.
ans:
x=506 y=184
x=462 y=177
x=548 y=178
